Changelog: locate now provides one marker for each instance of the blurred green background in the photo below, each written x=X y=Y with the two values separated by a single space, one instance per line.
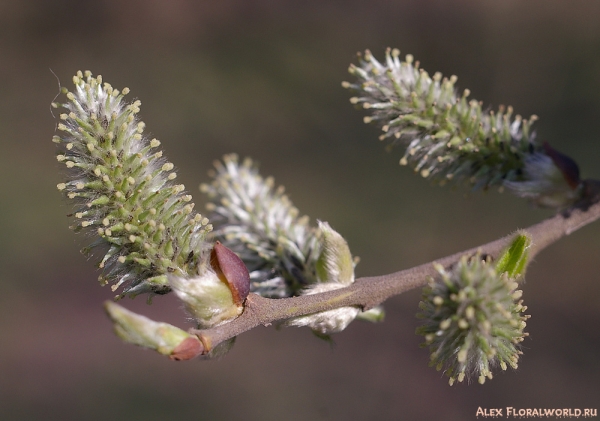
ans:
x=262 y=78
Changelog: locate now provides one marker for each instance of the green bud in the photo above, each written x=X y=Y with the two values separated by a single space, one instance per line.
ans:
x=161 y=337
x=335 y=263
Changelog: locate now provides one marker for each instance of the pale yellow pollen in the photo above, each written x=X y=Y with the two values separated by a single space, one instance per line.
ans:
x=128 y=226
x=69 y=146
x=64 y=116
x=125 y=91
x=172 y=176
x=161 y=227
x=445 y=324
x=70 y=164
x=486 y=326
x=152 y=211
x=438 y=301
x=158 y=154
x=108 y=232
x=122 y=259
x=154 y=143
x=72 y=195
x=167 y=167
x=463 y=324
x=132 y=238
x=80 y=185
x=61 y=186
x=86 y=224
x=462 y=356
x=90 y=146
x=60 y=158
x=131 y=180
x=187 y=198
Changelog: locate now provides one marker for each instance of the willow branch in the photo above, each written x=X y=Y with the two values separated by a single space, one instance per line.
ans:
x=368 y=292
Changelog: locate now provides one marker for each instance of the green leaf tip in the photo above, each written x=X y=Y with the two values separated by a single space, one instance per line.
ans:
x=513 y=261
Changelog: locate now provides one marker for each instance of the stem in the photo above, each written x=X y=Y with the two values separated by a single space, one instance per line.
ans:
x=368 y=292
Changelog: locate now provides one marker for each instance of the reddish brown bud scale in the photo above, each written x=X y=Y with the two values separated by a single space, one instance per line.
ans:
x=188 y=348
x=231 y=270
x=567 y=166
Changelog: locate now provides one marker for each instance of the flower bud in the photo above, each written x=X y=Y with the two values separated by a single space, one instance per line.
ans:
x=472 y=320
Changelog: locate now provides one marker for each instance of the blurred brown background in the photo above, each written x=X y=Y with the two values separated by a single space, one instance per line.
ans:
x=262 y=78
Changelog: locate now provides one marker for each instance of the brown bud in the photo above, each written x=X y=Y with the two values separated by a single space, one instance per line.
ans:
x=565 y=164
x=188 y=348
x=231 y=270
